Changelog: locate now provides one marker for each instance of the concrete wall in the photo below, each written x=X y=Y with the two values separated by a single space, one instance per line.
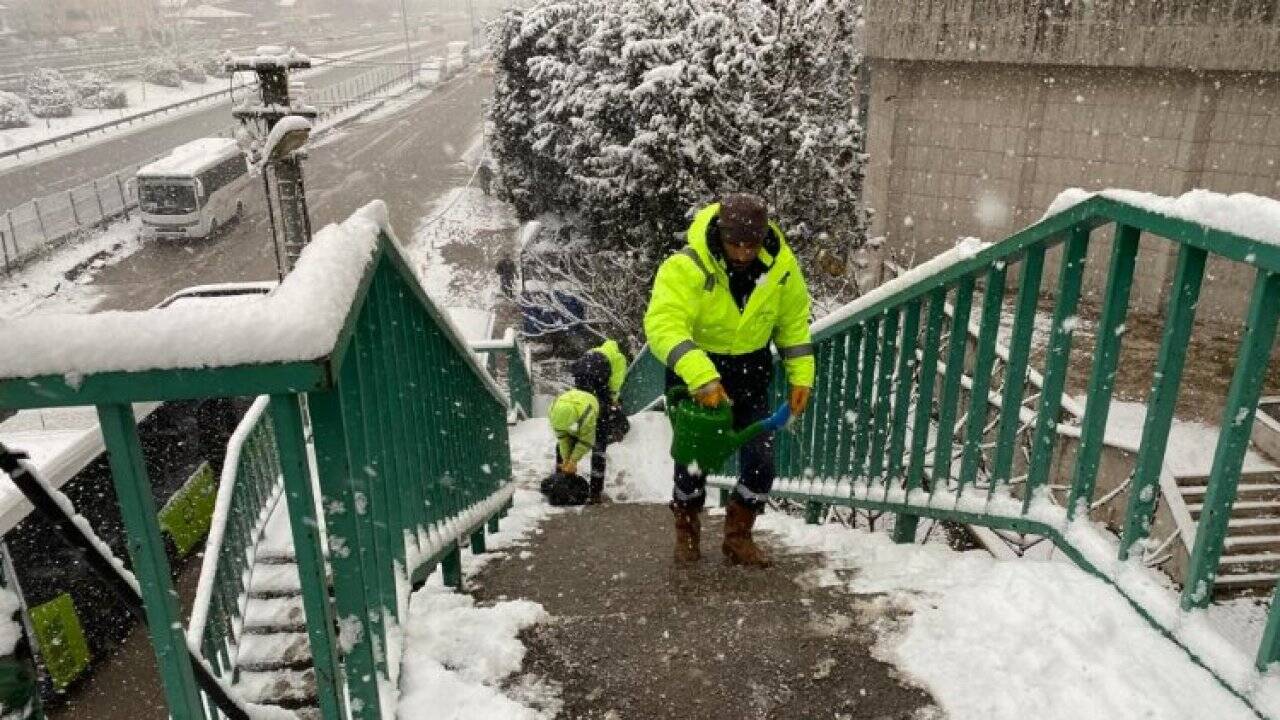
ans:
x=972 y=147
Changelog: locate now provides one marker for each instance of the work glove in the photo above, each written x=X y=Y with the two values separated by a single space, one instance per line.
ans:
x=569 y=467
x=711 y=395
x=799 y=399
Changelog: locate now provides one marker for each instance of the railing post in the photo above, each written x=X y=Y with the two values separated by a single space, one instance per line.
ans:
x=1015 y=370
x=1233 y=439
x=904 y=529
x=97 y=194
x=866 y=386
x=1057 y=362
x=813 y=512
x=286 y=414
x=44 y=234
x=1102 y=380
x=150 y=565
x=902 y=393
x=1184 y=295
x=979 y=402
x=949 y=396
x=884 y=379
x=346 y=504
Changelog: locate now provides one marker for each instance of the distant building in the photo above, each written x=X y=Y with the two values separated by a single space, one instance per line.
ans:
x=981 y=111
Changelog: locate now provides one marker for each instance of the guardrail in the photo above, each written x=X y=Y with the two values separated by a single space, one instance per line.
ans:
x=516 y=365
x=873 y=440
x=148 y=114
x=250 y=487
x=35 y=226
x=411 y=454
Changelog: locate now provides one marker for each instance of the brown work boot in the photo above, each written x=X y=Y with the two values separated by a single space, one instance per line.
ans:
x=688 y=534
x=738 y=547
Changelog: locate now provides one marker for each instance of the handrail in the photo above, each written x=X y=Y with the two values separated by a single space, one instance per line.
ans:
x=247 y=477
x=519 y=381
x=883 y=363
x=377 y=408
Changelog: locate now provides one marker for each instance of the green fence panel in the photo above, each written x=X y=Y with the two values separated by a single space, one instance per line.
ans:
x=61 y=640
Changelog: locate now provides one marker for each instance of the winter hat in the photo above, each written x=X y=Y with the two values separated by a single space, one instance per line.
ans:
x=744 y=217
x=590 y=372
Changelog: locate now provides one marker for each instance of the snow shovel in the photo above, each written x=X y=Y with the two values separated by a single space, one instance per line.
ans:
x=703 y=438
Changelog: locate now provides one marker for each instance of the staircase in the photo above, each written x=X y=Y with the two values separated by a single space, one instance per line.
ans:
x=1251 y=554
x=273 y=666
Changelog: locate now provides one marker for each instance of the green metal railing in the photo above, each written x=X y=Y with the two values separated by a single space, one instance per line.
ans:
x=411 y=456
x=516 y=365
x=889 y=428
x=248 y=492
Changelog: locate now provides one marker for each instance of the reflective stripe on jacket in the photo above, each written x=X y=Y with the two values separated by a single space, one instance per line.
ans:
x=692 y=313
x=573 y=418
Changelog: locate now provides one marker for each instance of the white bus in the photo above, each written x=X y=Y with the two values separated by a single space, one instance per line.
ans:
x=194 y=190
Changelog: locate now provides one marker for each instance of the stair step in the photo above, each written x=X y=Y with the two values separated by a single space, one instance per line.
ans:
x=1243 y=491
x=275 y=651
x=1244 y=508
x=1250 y=559
x=1255 y=476
x=274 y=615
x=1251 y=541
x=1257 y=579
x=275 y=581
x=276 y=557
x=278 y=687
x=1242 y=526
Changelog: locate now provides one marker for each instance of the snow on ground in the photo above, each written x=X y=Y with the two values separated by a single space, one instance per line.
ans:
x=10 y=630
x=1052 y=641
x=61 y=281
x=155 y=97
x=1191 y=444
x=143 y=97
x=639 y=468
x=460 y=659
x=455 y=248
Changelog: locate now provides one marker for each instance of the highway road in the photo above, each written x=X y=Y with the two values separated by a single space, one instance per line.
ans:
x=408 y=158
x=76 y=167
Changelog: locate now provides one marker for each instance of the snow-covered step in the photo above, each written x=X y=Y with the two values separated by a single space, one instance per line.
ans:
x=1230 y=562
x=1245 y=491
x=1252 y=542
x=1244 y=508
x=1238 y=526
x=278 y=687
x=275 y=614
x=1246 y=580
x=276 y=651
x=274 y=581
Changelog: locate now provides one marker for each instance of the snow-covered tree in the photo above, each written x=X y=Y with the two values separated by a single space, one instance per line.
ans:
x=14 y=112
x=97 y=91
x=623 y=116
x=49 y=94
x=161 y=71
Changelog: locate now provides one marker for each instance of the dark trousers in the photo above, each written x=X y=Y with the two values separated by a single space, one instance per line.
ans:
x=746 y=379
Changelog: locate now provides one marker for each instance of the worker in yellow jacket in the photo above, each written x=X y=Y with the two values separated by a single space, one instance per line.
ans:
x=717 y=306
x=582 y=426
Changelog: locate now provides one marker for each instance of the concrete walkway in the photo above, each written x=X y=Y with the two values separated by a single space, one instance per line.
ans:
x=635 y=637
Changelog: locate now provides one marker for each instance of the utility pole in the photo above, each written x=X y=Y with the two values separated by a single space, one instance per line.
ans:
x=408 y=49
x=279 y=158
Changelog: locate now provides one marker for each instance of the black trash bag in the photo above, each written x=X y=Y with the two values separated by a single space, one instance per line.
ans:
x=561 y=489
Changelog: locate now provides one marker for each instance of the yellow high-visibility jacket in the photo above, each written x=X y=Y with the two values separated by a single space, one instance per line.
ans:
x=573 y=418
x=692 y=313
x=617 y=365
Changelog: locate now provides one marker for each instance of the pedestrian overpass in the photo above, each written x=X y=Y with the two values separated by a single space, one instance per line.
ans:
x=383 y=438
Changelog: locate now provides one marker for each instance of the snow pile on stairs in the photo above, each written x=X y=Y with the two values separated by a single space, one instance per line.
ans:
x=457 y=656
x=995 y=639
